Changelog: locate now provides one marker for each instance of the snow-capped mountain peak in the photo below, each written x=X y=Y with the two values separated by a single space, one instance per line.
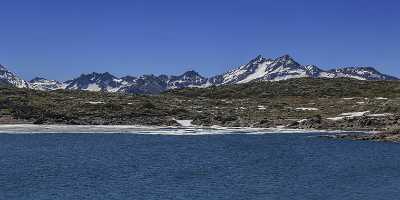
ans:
x=2 y=68
x=285 y=59
x=187 y=79
x=361 y=73
x=96 y=82
x=43 y=84
x=257 y=59
x=285 y=67
x=259 y=68
x=9 y=78
x=254 y=69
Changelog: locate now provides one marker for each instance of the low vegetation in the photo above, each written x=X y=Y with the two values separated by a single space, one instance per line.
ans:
x=295 y=103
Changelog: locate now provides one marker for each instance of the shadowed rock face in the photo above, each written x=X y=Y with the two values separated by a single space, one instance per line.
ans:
x=147 y=84
x=95 y=82
x=257 y=69
x=188 y=79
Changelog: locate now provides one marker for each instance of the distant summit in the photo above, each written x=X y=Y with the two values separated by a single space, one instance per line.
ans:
x=11 y=79
x=285 y=67
x=361 y=73
x=95 y=82
x=257 y=69
x=43 y=84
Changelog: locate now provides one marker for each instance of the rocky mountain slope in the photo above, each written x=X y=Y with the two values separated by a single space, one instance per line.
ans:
x=258 y=69
x=147 y=84
x=9 y=78
x=95 y=82
x=45 y=84
x=286 y=67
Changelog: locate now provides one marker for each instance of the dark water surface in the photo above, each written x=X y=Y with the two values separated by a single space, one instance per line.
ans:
x=128 y=166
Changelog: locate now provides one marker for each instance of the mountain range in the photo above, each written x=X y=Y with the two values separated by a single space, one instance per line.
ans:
x=258 y=69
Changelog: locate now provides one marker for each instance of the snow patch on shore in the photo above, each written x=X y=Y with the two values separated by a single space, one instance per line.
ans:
x=348 y=115
x=95 y=102
x=185 y=123
x=302 y=120
x=261 y=108
x=380 y=115
x=149 y=130
x=307 y=109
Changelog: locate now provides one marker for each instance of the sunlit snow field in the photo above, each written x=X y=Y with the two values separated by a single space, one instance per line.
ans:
x=158 y=130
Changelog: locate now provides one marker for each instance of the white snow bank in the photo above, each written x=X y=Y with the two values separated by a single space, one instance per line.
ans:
x=381 y=98
x=93 y=87
x=185 y=123
x=261 y=107
x=380 y=115
x=302 y=120
x=95 y=102
x=348 y=115
x=149 y=130
x=307 y=109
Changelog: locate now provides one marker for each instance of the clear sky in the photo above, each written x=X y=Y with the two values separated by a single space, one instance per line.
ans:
x=60 y=39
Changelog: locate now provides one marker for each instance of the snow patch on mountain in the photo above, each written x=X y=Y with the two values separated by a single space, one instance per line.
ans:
x=257 y=69
x=188 y=79
x=45 y=84
x=285 y=67
x=95 y=82
x=9 y=78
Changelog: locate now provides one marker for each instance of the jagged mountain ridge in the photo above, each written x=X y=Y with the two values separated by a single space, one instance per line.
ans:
x=95 y=82
x=259 y=68
x=9 y=78
x=188 y=79
x=148 y=84
x=285 y=67
x=361 y=73
x=43 y=84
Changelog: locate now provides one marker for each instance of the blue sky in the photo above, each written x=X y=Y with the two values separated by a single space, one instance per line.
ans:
x=61 y=39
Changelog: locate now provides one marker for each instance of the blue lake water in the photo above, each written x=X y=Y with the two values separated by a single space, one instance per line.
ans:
x=129 y=166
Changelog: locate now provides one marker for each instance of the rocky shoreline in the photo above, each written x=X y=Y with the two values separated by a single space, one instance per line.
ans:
x=152 y=130
x=362 y=123
x=378 y=137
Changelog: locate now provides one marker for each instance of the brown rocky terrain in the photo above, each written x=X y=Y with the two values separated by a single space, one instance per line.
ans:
x=340 y=104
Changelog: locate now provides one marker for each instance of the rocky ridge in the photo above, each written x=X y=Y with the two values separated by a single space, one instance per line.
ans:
x=257 y=69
